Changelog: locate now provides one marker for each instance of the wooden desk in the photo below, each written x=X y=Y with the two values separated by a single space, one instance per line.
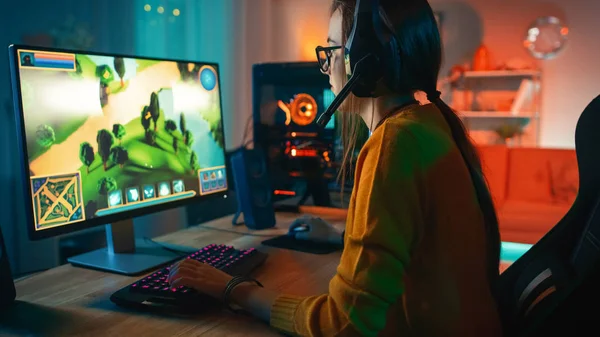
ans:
x=71 y=301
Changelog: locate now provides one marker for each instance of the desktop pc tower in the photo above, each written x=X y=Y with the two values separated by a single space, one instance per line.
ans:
x=301 y=157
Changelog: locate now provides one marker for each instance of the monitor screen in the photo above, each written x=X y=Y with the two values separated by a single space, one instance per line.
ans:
x=106 y=135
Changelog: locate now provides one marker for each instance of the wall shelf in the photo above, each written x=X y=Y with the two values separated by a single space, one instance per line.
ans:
x=515 y=93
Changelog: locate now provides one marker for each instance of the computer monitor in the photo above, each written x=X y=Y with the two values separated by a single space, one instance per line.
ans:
x=106 y=138
x=288 y=98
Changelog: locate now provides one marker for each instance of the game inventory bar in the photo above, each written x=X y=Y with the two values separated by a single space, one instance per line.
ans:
x=212 y=180
x=47 y=60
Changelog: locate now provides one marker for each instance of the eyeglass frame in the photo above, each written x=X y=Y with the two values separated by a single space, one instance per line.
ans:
x=328 y=53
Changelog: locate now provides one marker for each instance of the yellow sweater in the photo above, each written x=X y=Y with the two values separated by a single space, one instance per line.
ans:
x=414 y=256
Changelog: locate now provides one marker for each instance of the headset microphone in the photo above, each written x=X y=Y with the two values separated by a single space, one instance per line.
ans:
x=361 y=57
x=360 y=69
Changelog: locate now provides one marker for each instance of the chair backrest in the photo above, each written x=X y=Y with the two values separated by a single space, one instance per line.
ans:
x=543 y=279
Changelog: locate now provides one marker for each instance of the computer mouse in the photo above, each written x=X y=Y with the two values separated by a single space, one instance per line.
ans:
x=297 y=228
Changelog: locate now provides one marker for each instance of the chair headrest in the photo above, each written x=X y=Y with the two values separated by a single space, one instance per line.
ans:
x=587 y=147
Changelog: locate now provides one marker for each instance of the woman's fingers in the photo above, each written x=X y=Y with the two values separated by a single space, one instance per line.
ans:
x=184 y=270
x=184 y=281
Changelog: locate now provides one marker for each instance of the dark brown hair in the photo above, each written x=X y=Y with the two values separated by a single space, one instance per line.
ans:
x=420 y=46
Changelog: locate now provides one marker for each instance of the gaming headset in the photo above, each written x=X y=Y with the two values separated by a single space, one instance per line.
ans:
x=371 y=56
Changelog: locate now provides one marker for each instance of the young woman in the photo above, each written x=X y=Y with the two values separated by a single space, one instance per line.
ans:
x=421 y=246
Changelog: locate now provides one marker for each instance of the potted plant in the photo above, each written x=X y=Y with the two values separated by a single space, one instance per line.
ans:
x=507 y=132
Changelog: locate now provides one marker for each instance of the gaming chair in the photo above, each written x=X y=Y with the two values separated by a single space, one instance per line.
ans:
x=552 y=290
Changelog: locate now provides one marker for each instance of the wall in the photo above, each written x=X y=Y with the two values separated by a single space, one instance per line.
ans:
x=569 y=82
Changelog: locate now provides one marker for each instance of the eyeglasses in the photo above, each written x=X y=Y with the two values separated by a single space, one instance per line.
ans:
x=324 y=56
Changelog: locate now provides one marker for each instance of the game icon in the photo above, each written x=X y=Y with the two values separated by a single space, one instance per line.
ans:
x=204 y=176
x=57 y=199
x=164 y=189
x=213 y=176
x=149 y=192
x=220 y=174
x=133 y=194
x=115 y=198
x=178 y=186
x=27 y=60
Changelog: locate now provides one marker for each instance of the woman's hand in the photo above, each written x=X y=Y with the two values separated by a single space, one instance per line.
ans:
x=199 y=276
x=212 y=282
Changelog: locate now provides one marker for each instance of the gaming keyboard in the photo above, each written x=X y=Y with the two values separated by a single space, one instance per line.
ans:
x=153 y=292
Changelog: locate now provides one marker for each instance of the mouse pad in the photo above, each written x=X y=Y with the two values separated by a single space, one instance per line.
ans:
x=288 y=242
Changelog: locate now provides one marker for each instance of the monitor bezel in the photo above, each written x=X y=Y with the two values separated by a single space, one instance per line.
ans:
x=24 y=177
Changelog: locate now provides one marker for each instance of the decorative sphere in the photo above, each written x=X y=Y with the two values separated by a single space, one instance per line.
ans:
x=546 y=37
x=208 y=79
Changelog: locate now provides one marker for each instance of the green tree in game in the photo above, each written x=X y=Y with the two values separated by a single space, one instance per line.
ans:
x=188 y=138
x=170 y=126
x=182 y=126
x=183 y=70
x=194 y=162
x=175 y=144
x=119 y=155
x=105 y=142
x=45 y=136
x=218 y=134
x=105 y=186
x=105 y=74
x=119 y=64
x=145 y=118
x=195 y=72
x=119 y=132
x=154 y=109
x=86 y=155
x=150 y=137
x=78 y=69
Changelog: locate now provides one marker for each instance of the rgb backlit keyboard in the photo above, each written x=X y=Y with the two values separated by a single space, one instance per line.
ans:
x=154 y=291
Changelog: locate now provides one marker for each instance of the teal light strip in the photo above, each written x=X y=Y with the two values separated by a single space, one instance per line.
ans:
x=145 y=203
x=512 y=251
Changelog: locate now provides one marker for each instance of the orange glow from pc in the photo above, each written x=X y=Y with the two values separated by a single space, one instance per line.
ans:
x=564 y=31
x=284 y=192
x=304 y=153
x=293 y=134
x=302 y=109
x=286 y=110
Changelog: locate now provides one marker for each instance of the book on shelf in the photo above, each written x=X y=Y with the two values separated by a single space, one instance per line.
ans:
x=524 y=96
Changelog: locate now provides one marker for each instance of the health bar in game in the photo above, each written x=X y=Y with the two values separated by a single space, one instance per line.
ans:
x=54 y=60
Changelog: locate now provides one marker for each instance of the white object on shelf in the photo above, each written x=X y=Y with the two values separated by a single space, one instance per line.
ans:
x=501 y=73
x=524 y=95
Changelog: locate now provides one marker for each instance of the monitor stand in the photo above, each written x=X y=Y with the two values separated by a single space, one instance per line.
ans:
x=127 y=255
